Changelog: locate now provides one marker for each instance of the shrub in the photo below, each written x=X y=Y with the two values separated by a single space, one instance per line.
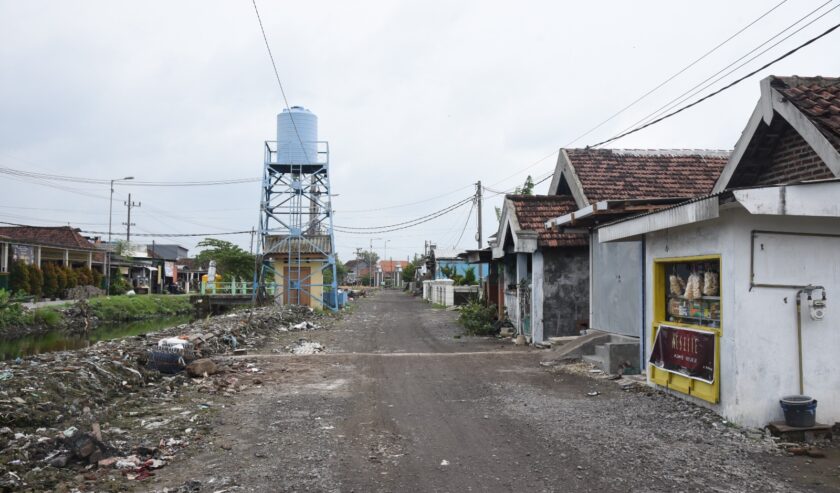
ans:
x=11 y=313
x=19 y=277
x=50 y=281
x=478 y=319
x=36 y=281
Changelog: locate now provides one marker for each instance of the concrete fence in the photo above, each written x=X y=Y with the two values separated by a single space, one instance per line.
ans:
x=439 y=291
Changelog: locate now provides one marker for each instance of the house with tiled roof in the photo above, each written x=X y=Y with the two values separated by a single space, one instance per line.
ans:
x=542 y=274
x=739 y=282
x=390 y=271
x=611 y=183
x=36 y=245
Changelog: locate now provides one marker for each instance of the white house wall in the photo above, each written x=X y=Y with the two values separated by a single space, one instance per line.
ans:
x=617 y=287
x=758 y=355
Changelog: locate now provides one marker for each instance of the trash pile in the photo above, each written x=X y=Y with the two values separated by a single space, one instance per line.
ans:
x=107 y=410
x=304 y=346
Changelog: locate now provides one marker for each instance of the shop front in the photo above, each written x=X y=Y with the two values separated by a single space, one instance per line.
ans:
x=687 y=326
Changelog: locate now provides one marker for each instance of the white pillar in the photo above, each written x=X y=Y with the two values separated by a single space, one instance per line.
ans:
x=89 y=264
x=38 y=256
x=66 y=258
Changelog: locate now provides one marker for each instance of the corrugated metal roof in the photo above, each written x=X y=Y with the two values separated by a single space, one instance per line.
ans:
x=308 y=244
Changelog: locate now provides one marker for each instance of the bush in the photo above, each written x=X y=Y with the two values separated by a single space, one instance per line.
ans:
x=119 y=285
x=36 y=281
x=478 y=319
x=50 y=281
x=11 y=314
x=19 y=277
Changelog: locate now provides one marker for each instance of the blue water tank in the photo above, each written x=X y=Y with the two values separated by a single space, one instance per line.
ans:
x=291 y=123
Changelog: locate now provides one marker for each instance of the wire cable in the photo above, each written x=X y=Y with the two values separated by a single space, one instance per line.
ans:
x=467 y=223
x=675 y=75
x=694 y=90
x=722 y=89
x=455 y=205
x=401 y=227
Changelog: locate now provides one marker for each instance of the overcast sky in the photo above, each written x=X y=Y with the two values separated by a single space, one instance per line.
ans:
x=418 y=100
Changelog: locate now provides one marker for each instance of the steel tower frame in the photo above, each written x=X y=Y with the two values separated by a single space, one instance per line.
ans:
x=295 y=219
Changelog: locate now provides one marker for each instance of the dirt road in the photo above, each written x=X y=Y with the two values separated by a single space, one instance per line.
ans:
x=398 y=403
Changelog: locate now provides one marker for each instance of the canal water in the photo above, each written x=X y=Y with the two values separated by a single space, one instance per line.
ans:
x=59 y=341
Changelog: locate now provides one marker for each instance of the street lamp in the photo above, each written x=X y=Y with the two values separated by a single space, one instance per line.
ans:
x=108 y=251
x=371 y=272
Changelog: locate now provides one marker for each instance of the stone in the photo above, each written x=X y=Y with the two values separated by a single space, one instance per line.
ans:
x=201 y=367
x=59 y=461
x=110 y=461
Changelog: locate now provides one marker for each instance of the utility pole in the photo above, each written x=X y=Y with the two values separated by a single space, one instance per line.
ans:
x=129 y=224
x=253 y=231
x=478 y=201
x=478 y=236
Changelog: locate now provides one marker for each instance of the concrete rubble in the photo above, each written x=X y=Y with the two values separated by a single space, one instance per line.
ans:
x=67 y=418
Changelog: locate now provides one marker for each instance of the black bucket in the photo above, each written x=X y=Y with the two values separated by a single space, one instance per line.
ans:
x=800 y=410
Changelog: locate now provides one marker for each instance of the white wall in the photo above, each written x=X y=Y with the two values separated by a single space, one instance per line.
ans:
x=537 y=296
x=759 y=361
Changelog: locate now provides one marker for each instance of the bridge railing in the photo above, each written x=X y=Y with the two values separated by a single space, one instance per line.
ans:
x=234 y=287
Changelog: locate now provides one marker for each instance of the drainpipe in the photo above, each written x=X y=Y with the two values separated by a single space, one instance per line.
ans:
x=809 y=290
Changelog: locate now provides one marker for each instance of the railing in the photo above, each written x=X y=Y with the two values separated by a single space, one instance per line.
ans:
x=234 y=287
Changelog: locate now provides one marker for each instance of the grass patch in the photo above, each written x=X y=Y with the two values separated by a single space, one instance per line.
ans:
x=122 y=308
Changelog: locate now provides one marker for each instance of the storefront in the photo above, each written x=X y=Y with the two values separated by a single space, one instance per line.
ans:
x=687 y=326
x=724 y=274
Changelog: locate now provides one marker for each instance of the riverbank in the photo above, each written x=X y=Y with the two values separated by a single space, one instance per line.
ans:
x=72 y=419
x=16 y=321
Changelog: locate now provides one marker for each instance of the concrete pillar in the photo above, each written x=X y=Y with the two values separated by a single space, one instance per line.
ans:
x=537 y=296
x=66 y=258
x=38 y=256
x=4 y=261
x=89 y=263
x=521 y=275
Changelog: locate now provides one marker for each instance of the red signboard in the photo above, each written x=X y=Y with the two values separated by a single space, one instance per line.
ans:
x=686 y=351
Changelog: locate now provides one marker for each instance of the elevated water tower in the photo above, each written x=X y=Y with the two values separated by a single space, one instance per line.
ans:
x=296 y=241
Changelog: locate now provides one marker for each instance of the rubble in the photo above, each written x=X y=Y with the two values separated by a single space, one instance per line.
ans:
x=72 y=417
x=304 y=346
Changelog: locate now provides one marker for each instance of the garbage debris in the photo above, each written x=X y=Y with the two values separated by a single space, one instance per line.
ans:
x=104 y=413
x=304 y=346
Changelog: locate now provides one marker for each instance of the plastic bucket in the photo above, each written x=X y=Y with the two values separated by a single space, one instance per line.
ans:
x=800 y=410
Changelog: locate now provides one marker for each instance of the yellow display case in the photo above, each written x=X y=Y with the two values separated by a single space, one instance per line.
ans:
x=698 y=312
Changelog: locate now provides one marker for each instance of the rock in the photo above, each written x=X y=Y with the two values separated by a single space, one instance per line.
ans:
x=520 y=340
x=70 y=432
x=201 y=367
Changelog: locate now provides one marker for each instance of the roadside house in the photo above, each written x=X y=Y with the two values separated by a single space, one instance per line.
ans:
x=758 y=257
x=543 y=273
x=38 y=245
x=608 y=184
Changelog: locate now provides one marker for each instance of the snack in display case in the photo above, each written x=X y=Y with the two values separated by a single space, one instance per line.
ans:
x=694 y=287
x=711 y=284
x=677 y=285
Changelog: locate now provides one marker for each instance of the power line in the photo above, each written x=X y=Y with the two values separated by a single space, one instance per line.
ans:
x=444 y=212
x=171 y=235
x=722 y=89
x=467 y=223
x=693 y=91
x=677 y=74
x=445 y=209
x=133 y=183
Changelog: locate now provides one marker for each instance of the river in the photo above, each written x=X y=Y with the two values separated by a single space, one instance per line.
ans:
x=60 y=341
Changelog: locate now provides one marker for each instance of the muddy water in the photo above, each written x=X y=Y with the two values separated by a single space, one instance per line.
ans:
x=59 y=341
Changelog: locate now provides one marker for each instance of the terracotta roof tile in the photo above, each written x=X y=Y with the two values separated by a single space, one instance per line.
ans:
x=391 y=265
x=615 y=174
x=58 y=236
x=818 y=98
x=532 y=211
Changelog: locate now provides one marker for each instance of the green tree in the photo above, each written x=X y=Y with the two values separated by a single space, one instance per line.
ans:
x=527 y=188
x=469 y=277
x=61 y=275
x=231 y=260
x=19 y=277
x=72 y=277
x=340 y=270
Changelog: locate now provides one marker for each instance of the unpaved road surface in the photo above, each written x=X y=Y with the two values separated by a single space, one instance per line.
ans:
x=398 y=403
